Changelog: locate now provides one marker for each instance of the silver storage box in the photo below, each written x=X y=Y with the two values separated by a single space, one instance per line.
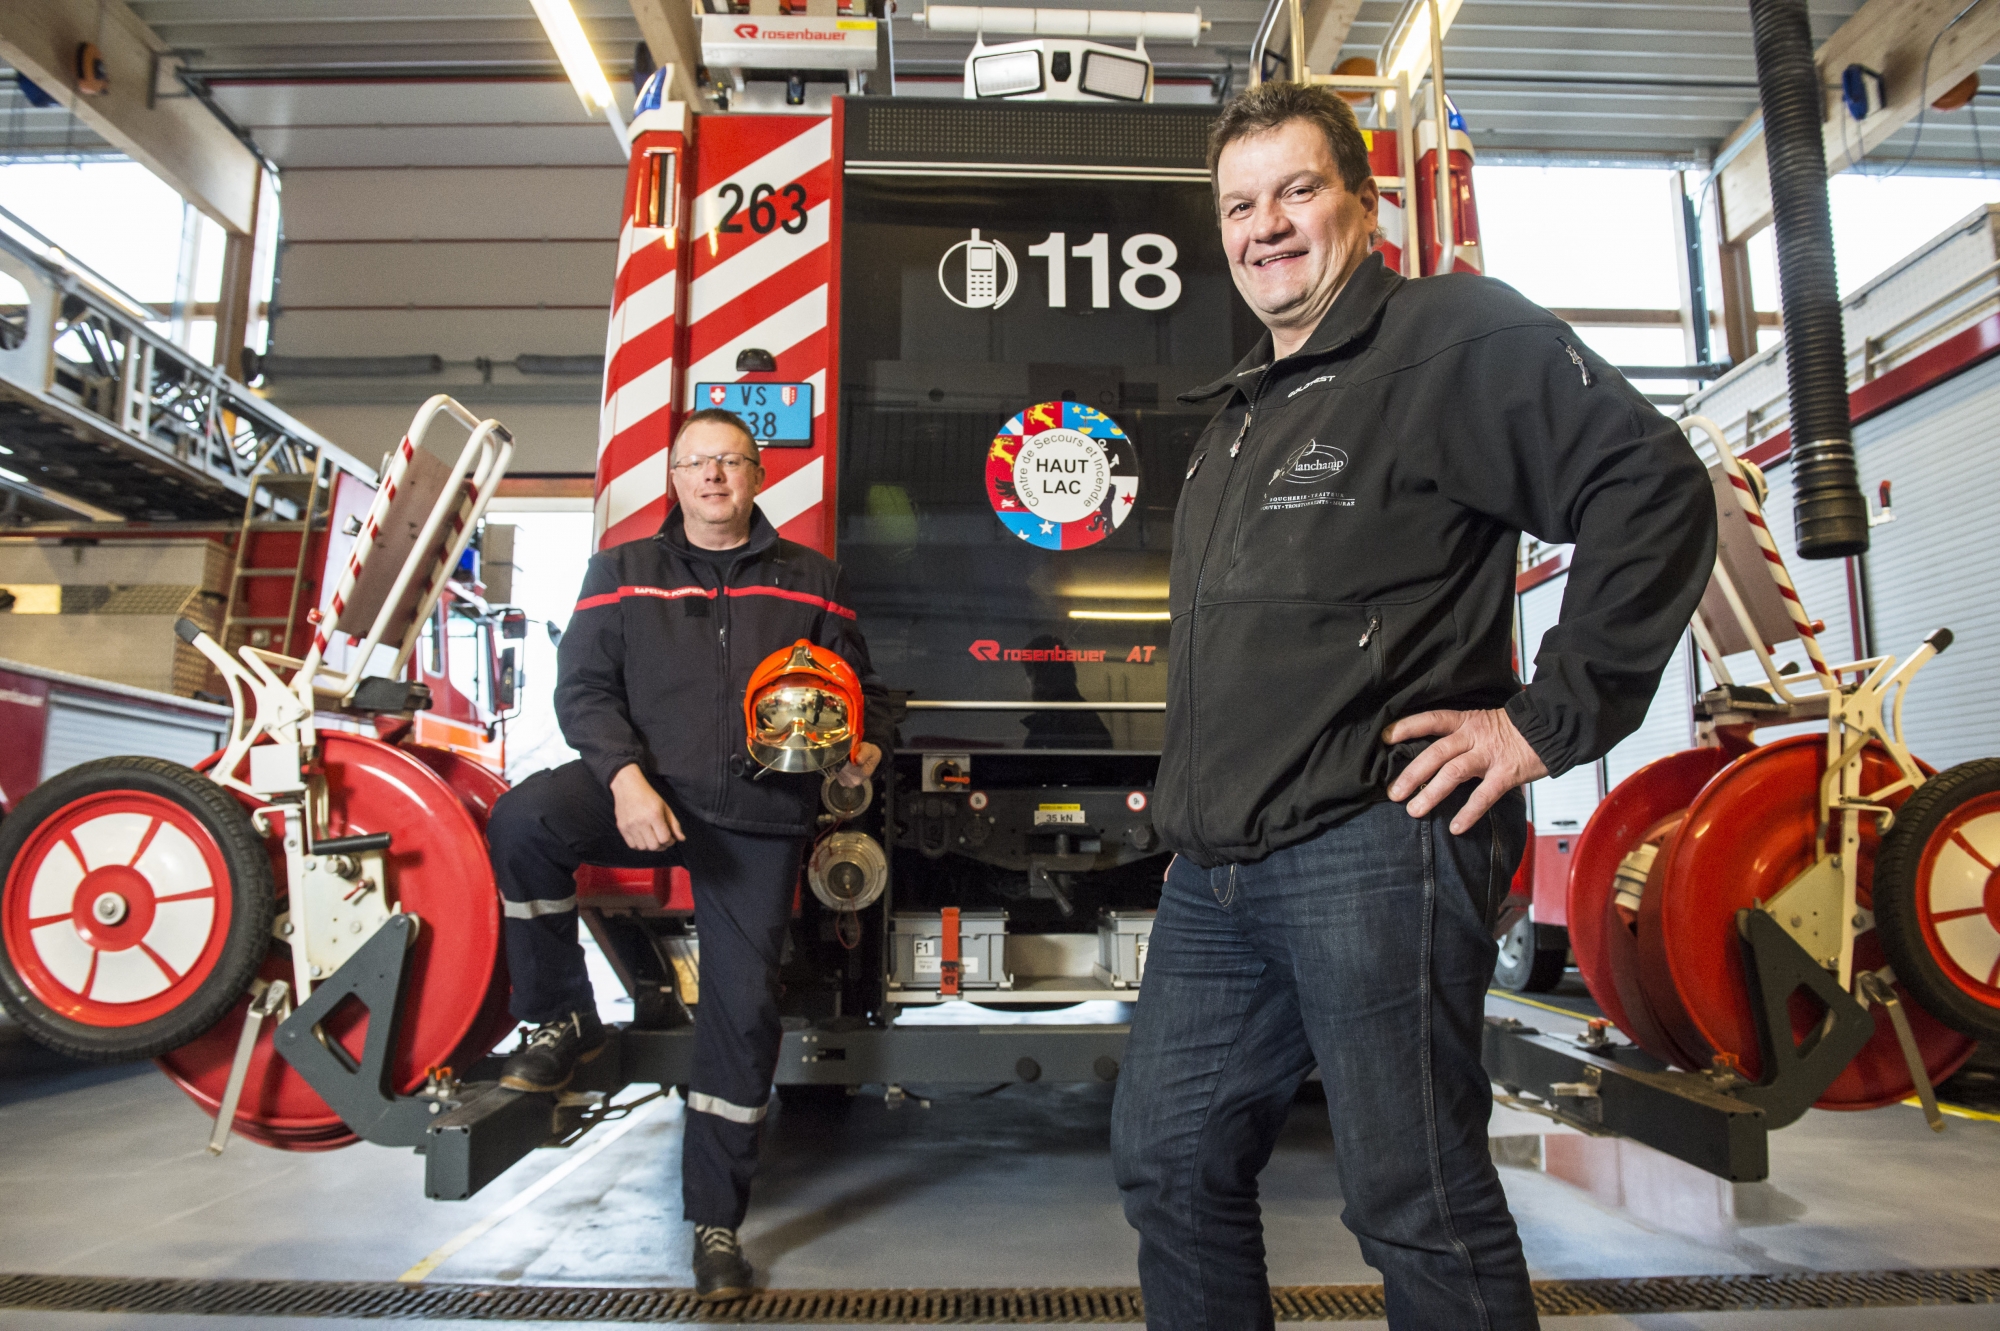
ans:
x=1122 y=939
x=917 y=943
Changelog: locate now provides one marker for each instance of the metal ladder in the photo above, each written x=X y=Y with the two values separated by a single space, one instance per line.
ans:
x=277 y=485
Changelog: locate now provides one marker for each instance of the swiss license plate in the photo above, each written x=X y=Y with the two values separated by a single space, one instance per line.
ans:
x=779 y=415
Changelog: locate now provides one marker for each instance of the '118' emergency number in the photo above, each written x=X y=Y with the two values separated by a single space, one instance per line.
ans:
x=1056 y=251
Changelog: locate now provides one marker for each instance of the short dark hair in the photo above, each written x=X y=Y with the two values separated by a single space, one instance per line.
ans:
x=715 y=416
x=1268 y=106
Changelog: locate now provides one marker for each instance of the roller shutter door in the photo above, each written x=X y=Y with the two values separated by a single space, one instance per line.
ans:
x=1564 y=803
x=1822 y=585
x=1669 y=724
x=82 y=729
x=1938 y=564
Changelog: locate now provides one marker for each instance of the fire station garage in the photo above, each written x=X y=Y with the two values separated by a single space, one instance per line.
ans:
x=616 y=653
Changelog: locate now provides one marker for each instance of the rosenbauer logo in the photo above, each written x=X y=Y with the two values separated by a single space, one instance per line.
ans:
x=750 y=32
x=986 y=649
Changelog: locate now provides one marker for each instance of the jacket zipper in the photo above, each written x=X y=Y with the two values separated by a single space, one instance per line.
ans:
x=1368 y=634
x=725 y=749
x=1194 y=614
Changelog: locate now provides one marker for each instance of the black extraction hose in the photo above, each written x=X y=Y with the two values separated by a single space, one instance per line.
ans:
x=1830 y=516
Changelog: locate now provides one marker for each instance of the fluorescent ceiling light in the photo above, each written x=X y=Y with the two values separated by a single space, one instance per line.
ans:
x=1007 y=75
x=1110 y=76
x=1410 y=47
x=573 y=49
x=1122 y=614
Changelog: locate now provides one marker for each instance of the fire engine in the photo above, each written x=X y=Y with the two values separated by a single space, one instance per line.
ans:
x=957 y=329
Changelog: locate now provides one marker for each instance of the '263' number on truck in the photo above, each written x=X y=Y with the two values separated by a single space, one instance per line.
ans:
x=765 y=214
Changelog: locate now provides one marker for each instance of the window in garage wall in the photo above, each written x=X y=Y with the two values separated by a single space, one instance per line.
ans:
x=551 y=551
x=120 y=219
x=1603 y=237
x=1595 y=237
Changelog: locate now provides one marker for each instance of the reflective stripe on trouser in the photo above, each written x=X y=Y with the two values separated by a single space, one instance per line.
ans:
x=540 y=831
x=702 y=1103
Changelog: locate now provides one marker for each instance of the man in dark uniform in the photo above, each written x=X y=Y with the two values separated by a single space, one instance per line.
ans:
x=650 y=682
x=1342 y=592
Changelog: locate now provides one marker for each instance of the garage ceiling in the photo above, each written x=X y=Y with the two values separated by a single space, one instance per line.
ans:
x=1605 y=80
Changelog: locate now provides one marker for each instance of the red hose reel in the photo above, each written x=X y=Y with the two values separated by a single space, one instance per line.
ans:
x=1673 y=978
x=1878 y=878
x=433 y=803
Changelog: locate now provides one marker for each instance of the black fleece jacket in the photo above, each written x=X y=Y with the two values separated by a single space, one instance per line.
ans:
x=659 y=652
x=1344 y=555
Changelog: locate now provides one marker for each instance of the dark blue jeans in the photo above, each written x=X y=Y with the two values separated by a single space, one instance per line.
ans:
x=1366 y=951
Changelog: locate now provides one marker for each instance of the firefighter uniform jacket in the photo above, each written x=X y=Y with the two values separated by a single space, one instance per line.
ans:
x=658 y=655
x=1345 y=545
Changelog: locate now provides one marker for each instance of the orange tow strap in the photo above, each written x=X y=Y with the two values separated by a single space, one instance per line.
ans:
x=949 y=972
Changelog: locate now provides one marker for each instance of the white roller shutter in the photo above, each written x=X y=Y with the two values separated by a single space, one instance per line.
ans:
x=1564 y=803
x=1938 y=564
x=1669 y=724
x=1822 y=585
x=82 y=729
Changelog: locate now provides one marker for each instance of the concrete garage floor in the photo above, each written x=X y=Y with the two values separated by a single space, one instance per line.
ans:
x=104 y=1172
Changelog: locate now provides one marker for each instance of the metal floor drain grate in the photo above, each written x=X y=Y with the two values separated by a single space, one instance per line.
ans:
x=1813 y=1291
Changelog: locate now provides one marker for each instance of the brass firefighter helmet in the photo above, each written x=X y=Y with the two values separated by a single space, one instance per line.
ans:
x=802 y=711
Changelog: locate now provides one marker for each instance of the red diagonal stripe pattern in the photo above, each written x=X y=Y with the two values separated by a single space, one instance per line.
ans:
x=743 y=296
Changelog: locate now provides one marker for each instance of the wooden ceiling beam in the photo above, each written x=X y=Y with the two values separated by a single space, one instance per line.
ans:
x=172 y=134
x=1889 y=36
x=669 y=29
x=1327 y=24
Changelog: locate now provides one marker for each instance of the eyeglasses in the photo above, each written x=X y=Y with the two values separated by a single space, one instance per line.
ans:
x=731 y=462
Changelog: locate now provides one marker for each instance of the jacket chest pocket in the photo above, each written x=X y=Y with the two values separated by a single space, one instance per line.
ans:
x=1297 y=498
x=1202 y=494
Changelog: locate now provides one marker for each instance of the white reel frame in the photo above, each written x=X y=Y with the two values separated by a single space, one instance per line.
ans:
x=339 y=890
x=1742 y=610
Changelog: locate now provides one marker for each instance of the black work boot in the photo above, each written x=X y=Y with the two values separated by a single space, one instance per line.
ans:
x=547 y=1059
x=720 y=1269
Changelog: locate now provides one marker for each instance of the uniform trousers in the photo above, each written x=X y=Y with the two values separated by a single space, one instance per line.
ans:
x=540 y=831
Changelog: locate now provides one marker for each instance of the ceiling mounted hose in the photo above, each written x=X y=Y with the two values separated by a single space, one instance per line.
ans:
x=1828 y=512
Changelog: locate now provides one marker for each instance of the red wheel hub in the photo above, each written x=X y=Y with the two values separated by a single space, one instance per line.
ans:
x=1751 y=831
x=1958 y=897
x=438 y=871
x=1620 y=823
x=117 y=908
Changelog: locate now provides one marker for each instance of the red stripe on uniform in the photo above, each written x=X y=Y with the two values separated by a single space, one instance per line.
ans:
x=663 y=593
x=803 y=598
x=677 y=593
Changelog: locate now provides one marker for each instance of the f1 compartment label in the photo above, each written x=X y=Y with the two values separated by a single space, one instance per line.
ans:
x=929 y=957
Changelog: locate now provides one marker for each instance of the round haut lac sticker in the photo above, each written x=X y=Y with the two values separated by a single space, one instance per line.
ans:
x=1062 y=475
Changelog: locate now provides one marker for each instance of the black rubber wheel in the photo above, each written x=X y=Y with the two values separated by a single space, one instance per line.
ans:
x=1937 y=897
x=136 y=903
x=1528 y=962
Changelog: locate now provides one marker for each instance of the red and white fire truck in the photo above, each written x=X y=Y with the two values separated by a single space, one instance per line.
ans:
x=905 y=298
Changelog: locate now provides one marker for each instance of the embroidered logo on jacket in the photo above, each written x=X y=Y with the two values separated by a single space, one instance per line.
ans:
x=1312 y=464
x=1310 y=383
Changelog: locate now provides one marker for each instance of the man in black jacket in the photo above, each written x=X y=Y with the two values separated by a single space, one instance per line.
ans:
x=650 y=682
x=1341 y=591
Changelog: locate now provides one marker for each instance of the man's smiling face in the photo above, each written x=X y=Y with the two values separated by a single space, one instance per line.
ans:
x=1293 y=232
